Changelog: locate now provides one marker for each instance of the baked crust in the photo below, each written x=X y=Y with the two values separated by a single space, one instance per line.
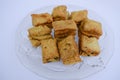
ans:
x=91 y=28
x=64 y=25
x=78 y=16
x=49 y=51
x=88 y=46
x=60 y=13
x=38 y=31
x=69 y=50
x=36 y=34
x=40 y=19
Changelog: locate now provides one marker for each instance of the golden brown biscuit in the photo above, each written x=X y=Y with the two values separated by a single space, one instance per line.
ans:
x=64 y=25
x=38 y=31
x=91 y=28
x=78 y=16
x=60 y=13
x=69 y=50
x=36 y=34
x=88 y=46
x=49 y=51
x=40 y=19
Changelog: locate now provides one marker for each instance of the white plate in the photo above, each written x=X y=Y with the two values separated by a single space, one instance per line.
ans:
x=31 y=57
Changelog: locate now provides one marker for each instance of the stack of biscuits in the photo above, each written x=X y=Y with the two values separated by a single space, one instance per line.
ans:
x=40 y=34
x=36 y=34
x=62 y=44
x=61 y=24
x=41 y=28
x=64 y=28
x=64 y=32
x=89 y=33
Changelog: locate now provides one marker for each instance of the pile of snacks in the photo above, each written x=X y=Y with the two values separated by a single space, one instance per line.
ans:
x=65 y=25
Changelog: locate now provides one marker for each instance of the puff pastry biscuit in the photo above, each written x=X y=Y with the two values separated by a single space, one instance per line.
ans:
x=49 y=51
x=64 y=25
x=91 y=28
x=38 y=31
x=60 y=13
x=78 y=16
x=41 y=19
x=69 y=50
x=88 y=46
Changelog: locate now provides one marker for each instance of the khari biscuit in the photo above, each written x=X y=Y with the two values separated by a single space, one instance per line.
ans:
x=64 y=25
x=88 y=46
x=38 y=31
x=60 y=13
x=91 y=28
x=49 y=50
x=68 y=50
x=40 y=19
x=78 y=16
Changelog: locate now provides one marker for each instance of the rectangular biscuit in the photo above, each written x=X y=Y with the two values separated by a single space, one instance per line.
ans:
x=60 y=13
x=49 y=51
x=69 y=50
x=91 y=28
x=89 y=46
x=39 y=19
x=38 y=31
x=78 y=16
x=64 y=25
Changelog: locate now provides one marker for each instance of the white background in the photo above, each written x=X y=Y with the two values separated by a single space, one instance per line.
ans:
x=13 y=11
